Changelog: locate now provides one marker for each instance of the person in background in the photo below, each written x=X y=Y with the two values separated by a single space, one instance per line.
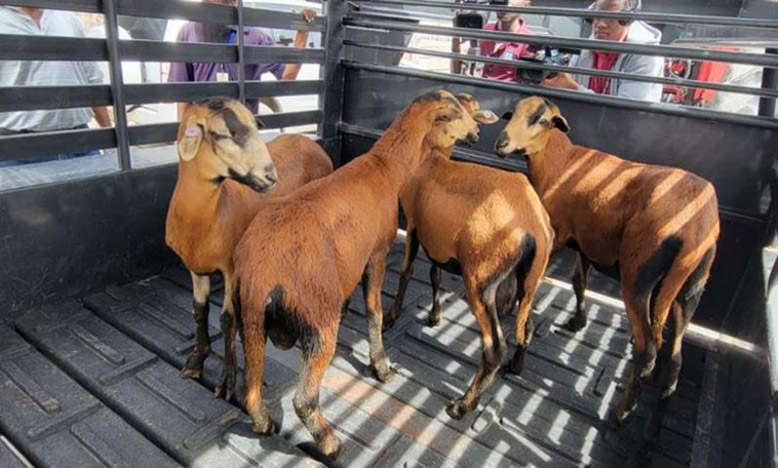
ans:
x=604 y=29
x=220 y=33
x=39 y=22
x=506 y=22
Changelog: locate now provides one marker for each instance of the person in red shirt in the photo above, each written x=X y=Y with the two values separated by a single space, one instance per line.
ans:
x=506 y=22
x=614 y=30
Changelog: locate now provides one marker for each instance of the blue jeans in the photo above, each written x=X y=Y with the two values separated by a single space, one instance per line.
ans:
x=40 y=159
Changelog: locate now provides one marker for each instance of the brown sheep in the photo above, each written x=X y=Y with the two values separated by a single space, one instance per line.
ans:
x=489 y=226
x=653 y=228
x=304 y=254
x=224 y=166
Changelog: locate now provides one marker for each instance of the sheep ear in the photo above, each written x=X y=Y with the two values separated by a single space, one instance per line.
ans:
x=507 y=116
x=561 y=123
x=485 y=117
x=190 y=140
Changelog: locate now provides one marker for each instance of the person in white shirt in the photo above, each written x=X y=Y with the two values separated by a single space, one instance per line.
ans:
x=39 y=22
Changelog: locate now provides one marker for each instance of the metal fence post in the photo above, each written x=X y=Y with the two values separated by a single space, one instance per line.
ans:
x=117 y=84
x=334 y=76
x=769 y=81
x=241 y=56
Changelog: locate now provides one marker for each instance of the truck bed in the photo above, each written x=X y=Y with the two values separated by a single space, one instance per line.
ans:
x=95 y=382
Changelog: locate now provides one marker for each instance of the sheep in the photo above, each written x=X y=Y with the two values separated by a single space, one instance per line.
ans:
x=304 y=254
x=489 y=226
x=653 y=228
x=224 y=169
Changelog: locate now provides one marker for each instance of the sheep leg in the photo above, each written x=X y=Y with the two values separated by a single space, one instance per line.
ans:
x=316 y=360
x=494 y=349
x=254 y=343
x=435 y=313
x=411 y=250
x=528 y=274
x=201 y=286
x=682 y=311
x=372 y=281
x=344 y=308
x=580 y=277
x=643 y=353
x=670 y=372
x=226 y=387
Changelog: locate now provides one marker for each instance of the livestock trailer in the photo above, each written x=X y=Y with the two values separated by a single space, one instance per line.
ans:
x=95 y=318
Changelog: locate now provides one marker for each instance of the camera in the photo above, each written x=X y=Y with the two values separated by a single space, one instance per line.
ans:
x=543 y=56
x=471 y=19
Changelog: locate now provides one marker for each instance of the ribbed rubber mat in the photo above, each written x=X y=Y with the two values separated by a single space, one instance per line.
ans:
x=55 y=422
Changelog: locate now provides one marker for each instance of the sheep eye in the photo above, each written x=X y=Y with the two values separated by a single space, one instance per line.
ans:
x=219 y=136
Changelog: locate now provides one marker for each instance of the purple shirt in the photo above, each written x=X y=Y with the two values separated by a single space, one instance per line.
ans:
x=207 y=71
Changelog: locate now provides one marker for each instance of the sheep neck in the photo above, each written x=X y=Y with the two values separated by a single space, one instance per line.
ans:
x=549 y=164
x=403 y=147
x=197 y=196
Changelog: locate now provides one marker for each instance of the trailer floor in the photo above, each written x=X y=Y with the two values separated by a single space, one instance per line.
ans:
x=95 y=383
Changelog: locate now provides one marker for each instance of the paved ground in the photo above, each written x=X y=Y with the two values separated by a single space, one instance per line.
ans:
x=95 y=383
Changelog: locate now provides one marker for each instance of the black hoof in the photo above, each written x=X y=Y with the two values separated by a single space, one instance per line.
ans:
x=264 y=429
x=617 y=418
x=575 y=324
x=335 y=453
x=388 y=323
x=456 y=410
x=383 y=373
x=226 y=389
x=194 y=366
x=515 y=365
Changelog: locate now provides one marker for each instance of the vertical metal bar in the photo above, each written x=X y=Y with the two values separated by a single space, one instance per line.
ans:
x=241 y=59
x=117 y=85
x=334 y=77
x=769 y=81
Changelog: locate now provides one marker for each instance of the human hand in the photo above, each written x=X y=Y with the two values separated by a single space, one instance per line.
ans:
x=561 y=80
x=309 y=15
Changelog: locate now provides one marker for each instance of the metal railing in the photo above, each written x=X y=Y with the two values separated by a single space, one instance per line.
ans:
x=119 y=95
x=768 y=61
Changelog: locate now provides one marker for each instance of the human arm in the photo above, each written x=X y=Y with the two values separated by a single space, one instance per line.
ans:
x=101 y=116
x=646 y=66
x=456 y=64
x=291 y=70
x=181 y=72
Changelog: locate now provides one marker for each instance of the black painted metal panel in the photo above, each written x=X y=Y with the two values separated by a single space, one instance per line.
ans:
x=159 y=133
x=89 y=6
x=69 y=141
x=65 y=239
x=57 y=423
x=272 y=54
x=20 y=98
x=728 y=154
x=158 y=51
x=255 y=89
x=562 y=42
x=52 y=48
x=177 y=92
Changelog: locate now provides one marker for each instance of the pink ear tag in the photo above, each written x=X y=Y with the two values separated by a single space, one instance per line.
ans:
x=191 y=132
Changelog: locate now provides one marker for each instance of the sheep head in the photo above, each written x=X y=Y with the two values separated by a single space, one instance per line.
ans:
x=451 y=122
x=529 y=127
x=221 y=137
